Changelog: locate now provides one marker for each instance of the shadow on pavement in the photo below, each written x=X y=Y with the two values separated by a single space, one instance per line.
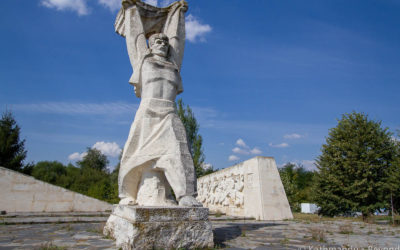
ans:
x=234 y=230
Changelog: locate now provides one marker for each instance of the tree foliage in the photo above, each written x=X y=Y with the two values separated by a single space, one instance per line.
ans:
x=298 y=183
x=94 y=159
x=354 y=166
x=393 y=181
x=12 y=148
x=195 y=141
x=91 y=178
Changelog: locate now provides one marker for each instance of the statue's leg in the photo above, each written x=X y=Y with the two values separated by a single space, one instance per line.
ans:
x=154 y=189
x=129 y=187
x=179 y=172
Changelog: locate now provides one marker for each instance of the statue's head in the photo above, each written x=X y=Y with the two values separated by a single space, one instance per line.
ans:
x=159 y=44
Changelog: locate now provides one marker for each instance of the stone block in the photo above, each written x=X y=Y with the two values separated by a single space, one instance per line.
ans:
x=137 y=227
x=22 y=193
x=252 y=188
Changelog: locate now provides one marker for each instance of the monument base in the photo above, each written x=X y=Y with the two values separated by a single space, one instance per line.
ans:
x=137 y=227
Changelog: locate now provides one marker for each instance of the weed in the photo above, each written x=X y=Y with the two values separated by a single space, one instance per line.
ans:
x=51 y=246
x=98 y=229
x=67 y=227
x=346 y=229
x=370 y=232
x=218 y=214
x=317 y=234
x=285 y=241
x=107 y=237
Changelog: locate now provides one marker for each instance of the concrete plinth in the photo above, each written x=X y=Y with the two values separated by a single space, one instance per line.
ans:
x=137 y=227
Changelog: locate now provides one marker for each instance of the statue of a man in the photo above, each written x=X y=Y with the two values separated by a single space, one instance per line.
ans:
x=156 y=156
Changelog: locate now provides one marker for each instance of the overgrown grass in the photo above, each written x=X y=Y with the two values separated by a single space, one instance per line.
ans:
x=316 y=218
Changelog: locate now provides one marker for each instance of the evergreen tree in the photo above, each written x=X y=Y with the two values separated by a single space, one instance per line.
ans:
x=195 y=140
x=354 y=166
x=12 y=149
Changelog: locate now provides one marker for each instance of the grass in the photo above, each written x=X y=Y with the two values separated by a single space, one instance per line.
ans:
x=317 y=234
x=373 y=219
x=98 y=229
x=285 y=241
x=51 y=246
x=346 y=229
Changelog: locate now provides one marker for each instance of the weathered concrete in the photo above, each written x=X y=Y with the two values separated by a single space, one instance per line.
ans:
x=251 y=188
x=22 y=193
x=137 y=227
x=228 y=234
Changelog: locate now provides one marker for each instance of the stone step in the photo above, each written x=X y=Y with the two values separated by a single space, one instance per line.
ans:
x=56 y=214
x=46 y=220
x=83 y=217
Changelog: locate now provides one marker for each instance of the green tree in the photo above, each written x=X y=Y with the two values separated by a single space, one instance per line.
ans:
x=94 y=159
x=354 y=166
x=393 y=181
x=49 y=171
x=12 y=149
x=195 y=140
x=298 y=183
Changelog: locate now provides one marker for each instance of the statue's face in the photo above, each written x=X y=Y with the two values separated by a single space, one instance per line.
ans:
x=160 y=47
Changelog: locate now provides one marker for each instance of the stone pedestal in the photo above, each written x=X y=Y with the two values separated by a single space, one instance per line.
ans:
x=137 y=227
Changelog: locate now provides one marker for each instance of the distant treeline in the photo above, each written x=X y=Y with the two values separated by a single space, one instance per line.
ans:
x=90 y=177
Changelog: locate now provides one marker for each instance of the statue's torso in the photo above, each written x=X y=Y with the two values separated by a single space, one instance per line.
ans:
x=159 y=79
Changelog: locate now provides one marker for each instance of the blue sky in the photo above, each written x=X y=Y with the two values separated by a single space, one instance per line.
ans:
x=263 y=77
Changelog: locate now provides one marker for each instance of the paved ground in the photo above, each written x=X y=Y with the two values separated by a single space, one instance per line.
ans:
x=229 y=233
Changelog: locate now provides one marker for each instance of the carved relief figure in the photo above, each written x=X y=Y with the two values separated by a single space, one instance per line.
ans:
x=223 y=191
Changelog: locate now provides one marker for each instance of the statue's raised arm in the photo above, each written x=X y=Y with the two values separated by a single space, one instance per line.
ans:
x=137 y=21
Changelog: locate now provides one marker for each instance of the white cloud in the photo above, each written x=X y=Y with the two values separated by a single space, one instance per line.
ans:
x=76 y=156
x=308 y=165
x=255 y=151
x=151 y=2
x=108 y=148
x=80 y=6
x=293 y=136
x=113 y=5
x=78 y=108
x=238 y=150
x=195 y=31
x=395 y=139
x=281 y=145
x=233 y=158
x=243 y=149
x=207 y=166
x=241 y=143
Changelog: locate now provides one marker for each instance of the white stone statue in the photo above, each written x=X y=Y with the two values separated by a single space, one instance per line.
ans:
x=156 y=156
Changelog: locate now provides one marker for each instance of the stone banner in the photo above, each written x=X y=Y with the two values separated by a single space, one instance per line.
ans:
x=252 y=188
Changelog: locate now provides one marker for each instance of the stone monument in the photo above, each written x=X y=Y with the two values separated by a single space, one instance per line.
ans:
x=252 y=188
x=156 y=159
